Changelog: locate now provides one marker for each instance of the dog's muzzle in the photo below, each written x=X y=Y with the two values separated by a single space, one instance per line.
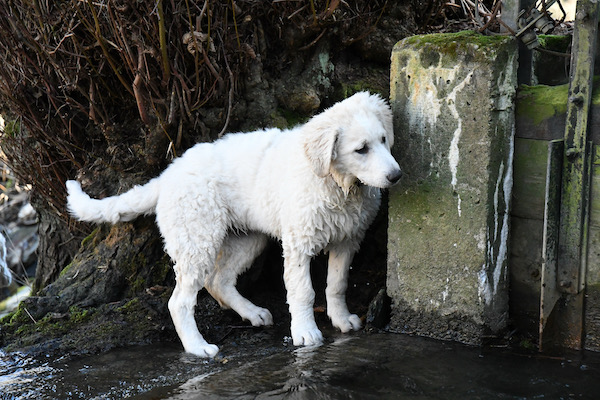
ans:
x=394 y=176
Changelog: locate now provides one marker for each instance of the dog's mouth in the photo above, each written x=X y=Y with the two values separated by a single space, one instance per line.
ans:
x=390 y=180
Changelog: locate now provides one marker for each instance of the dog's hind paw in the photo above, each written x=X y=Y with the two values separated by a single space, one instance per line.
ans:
x=258 y=316
x=206 y=350
x=347 y=323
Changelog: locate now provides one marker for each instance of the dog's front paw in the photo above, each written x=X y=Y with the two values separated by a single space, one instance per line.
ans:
x=346 y=323
x=205 y=350
x=307 y=336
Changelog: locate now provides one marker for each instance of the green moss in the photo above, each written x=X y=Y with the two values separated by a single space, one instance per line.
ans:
x=558 y=43
x=541 y=102
x=19 y=316
x=50 y=325
x=6 y=319
x=142 y=274
x=452 y=44
x=78 y=315
x=90 y=238
x=132 y=306
x=66 y=269
x=418 y=201
x=12 y=128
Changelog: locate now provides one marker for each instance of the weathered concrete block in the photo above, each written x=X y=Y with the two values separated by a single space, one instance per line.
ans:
x=452 y=97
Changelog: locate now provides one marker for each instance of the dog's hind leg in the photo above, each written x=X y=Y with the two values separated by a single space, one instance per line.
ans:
x=181 y=307
x=236 y=256
x=192 y=237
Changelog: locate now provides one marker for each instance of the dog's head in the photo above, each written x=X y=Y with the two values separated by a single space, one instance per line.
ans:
x=352 y=140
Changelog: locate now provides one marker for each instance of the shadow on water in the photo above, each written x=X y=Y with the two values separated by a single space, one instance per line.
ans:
x=361 y=366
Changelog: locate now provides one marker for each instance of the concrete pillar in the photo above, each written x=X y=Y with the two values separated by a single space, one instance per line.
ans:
x=452 y=97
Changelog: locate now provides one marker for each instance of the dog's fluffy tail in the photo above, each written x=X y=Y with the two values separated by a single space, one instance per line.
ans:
x=125 y=207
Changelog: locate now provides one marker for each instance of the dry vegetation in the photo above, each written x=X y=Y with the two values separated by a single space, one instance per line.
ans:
x=87 y=81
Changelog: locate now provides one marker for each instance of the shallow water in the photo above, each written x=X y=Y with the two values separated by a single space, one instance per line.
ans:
x=361 y=366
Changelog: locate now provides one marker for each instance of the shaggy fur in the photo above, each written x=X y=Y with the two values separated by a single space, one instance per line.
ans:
x=315 y=187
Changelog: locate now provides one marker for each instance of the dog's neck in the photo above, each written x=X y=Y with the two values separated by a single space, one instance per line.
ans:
x=347 y=183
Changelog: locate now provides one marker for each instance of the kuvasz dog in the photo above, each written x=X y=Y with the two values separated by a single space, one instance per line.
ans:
x=315 y=187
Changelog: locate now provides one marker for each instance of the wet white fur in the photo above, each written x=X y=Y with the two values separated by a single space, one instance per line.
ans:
x=216 y=205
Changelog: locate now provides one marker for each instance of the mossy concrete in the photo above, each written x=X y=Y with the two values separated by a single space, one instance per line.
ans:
x=551 y=67
x=541 y=109
x=452 y=97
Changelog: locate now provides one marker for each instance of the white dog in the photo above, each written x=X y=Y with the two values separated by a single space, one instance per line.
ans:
x=314 y=187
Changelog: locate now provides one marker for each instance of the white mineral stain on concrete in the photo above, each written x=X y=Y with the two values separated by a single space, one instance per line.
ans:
x=454 y=152
x=446 y=291
x=425 y=105
x=488 y=289
x=485 y=289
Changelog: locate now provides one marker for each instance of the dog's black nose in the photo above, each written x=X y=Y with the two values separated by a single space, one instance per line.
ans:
x=394 y=177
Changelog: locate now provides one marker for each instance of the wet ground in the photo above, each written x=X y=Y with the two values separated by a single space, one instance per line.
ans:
x=359 y=366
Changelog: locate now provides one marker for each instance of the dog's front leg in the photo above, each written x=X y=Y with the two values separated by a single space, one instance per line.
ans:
x=300 y=298
x=337 y=282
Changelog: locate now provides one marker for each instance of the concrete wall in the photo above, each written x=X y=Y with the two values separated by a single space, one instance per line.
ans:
x=452 y=97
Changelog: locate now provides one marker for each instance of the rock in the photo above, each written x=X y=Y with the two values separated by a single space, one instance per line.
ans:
x=302 y=99
x=378 y=315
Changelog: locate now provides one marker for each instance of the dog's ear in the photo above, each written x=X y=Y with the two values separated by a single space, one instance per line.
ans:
x=319 y=147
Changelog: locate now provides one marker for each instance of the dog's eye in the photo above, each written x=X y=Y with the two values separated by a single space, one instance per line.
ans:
x=383 y=140
x=363 y=150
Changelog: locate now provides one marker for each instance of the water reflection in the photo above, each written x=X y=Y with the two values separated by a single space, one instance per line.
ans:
x=392 y=367
x=381 y=366
x=303 y=373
